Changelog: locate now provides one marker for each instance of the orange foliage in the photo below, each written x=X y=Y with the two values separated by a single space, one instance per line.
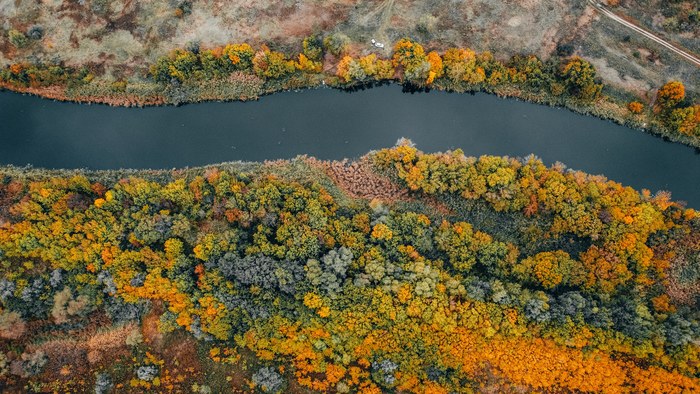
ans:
x=635 y=107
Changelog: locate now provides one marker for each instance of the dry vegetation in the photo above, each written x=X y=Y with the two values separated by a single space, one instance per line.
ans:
x=119 y=38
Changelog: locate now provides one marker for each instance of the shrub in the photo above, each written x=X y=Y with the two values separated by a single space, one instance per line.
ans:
x=183 y=9
x=119 y=86
x=635 y=107
x=134 y=338
x=35 y=32
x=336 y=43
x=17 y=38
x=100 y=7
x=11 y=325
x=29 y=364
x=4 y=365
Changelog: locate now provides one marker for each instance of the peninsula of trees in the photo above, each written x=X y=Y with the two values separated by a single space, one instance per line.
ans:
x=399 y=272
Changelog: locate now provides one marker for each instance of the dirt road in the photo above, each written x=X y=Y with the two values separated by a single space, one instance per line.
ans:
x=600 y=8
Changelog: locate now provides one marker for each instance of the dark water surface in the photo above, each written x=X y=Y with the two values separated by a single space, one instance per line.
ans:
x=332 y=124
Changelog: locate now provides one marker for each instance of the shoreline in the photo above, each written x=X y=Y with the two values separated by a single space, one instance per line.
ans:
x=603 y=108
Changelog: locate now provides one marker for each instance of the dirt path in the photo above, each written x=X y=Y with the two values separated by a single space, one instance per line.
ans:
x=600 y=8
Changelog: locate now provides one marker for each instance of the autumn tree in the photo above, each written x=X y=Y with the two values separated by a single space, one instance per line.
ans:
x=313 y=47
x=271 y=64
x=410 y=58
x=670 y=95
x=579 y=77
x=460 y=66
x=686 y=120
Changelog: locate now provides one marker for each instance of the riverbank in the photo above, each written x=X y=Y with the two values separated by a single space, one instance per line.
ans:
x=248 y=87
x=332 y=124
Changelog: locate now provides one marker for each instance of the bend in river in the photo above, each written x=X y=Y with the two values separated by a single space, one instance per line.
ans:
x=332 y=124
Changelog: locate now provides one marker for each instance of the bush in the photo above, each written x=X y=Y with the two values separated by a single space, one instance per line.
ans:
x=35 y=32
x=11 y=325
x=336 y=43
x=4 y=365
x=635 y=107
x=119 y=86
x=565 y=50
x=100 y=7
x=29 y=364
x=17 y=38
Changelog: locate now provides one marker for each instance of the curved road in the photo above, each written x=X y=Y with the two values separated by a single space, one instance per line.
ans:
x=693 y=59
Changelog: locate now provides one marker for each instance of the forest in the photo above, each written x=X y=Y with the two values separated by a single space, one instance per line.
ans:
x=403 y=271
x=239 y=71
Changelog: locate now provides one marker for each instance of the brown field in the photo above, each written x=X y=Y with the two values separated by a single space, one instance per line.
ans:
x=119 y=38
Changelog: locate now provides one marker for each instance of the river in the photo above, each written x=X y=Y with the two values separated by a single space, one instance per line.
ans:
x=332 y=124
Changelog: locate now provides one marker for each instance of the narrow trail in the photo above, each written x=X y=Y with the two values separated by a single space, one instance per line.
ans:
x=693 y=59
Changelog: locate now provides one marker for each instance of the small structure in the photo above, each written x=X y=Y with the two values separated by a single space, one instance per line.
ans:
x=377 y=43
